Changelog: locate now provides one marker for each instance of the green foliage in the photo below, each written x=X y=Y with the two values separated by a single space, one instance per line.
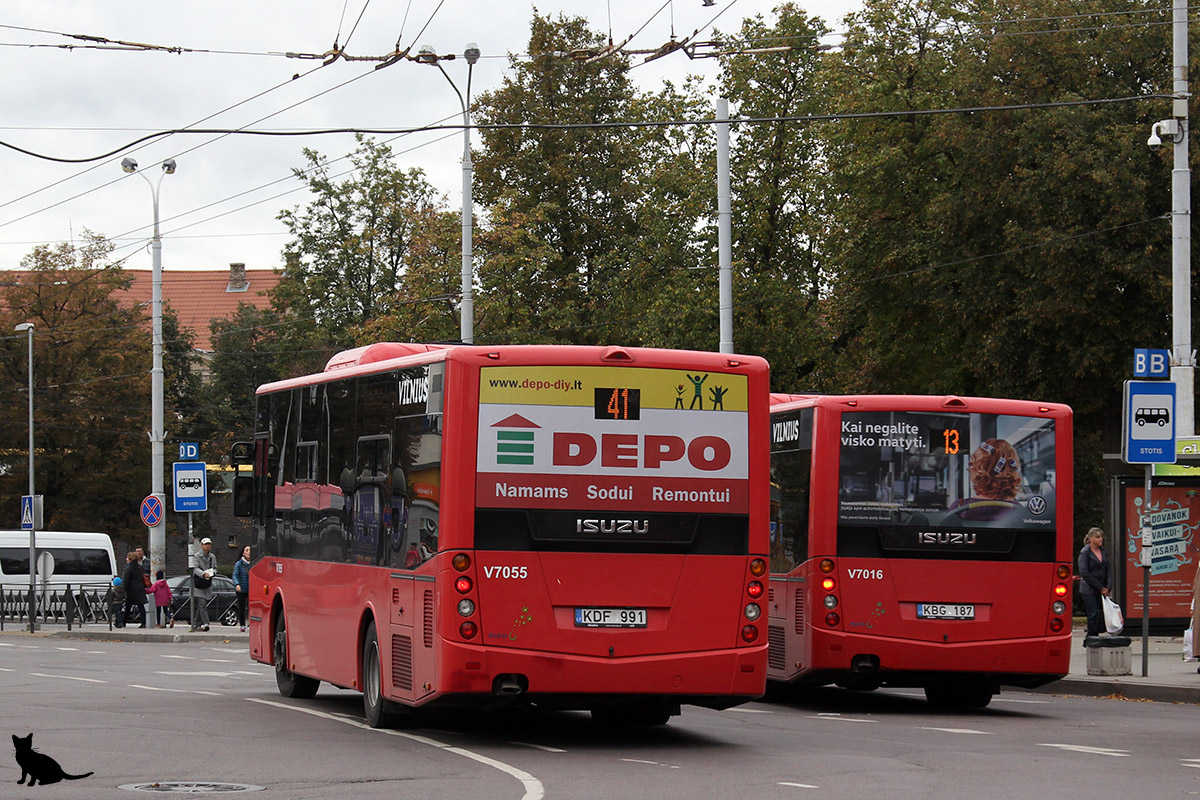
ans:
x=91 y=366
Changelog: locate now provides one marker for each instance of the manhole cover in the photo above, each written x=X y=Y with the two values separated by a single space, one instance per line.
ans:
x=191 y=787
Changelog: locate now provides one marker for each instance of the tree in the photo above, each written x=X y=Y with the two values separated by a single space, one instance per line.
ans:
x=361 y=249
x=571 y=191
x=91 y=390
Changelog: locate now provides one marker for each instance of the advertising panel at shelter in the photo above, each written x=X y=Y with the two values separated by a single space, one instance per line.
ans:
x=597 y=437
x=1174 y=516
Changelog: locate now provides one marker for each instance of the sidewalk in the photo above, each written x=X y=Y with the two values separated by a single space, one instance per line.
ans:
x=1169 y=679
x=100 y=633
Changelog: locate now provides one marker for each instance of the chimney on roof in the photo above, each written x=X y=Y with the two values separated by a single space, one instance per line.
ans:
x=237 y=278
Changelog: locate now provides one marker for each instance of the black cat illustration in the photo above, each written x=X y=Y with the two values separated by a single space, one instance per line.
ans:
x=38 y=767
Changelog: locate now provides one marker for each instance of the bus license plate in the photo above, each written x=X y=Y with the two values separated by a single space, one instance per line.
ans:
x=610 y=617
x=945 y=611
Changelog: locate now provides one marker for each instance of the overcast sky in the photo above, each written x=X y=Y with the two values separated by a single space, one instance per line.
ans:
x=221 y=204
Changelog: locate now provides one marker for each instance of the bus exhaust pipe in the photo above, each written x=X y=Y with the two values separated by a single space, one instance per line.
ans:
x=864 y=663
x=510 y=685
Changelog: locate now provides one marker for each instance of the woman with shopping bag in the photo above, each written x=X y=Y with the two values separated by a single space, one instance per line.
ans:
x=1095 y=579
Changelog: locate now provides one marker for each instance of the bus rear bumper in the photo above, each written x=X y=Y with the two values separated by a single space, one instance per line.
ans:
x=713 y=679
x=1026 y=663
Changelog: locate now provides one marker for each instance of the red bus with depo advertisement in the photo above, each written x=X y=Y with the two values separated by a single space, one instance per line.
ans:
x=920 y=541
x=568 y=527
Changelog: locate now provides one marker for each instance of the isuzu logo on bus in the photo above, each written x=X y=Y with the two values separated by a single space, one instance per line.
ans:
x=612 y=526
x=945 y=537
x=633 y=450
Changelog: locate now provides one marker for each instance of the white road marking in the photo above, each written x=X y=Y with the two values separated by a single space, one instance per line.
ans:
x=179 y=691
x=219 y=660
x=66 y=677
x=1079 y=748
x=76 y=649
x=184 y=658
x=545 y=747
x=1194 y=763
x=957 y=730
x=534 y=790
x=2 y=669
x=837 y=718
x=799 y=785
x=198 y=674
x=29 y=647
x=640 y=761
x=6 y=644
x=750 y=710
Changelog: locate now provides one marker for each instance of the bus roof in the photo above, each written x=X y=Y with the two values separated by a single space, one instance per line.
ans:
x=916 y=402
x=384 y=356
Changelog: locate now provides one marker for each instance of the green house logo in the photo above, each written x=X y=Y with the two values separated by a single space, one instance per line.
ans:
x=514 y=440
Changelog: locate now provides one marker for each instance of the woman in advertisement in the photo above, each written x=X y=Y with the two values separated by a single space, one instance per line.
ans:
x=1095 y=578
x=995 y=479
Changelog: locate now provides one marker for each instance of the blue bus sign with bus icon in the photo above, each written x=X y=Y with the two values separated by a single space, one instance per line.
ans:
x=1148 y=425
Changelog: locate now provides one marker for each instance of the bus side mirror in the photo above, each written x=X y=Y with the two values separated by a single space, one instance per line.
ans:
x=242 y=454
x=243 y=496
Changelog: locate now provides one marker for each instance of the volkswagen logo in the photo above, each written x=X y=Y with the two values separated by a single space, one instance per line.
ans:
x=1037 y=504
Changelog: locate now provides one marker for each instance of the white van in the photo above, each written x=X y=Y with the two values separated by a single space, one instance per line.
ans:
x=80 y=559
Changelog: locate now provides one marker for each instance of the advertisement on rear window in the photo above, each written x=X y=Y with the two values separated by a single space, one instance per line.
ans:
x=604 y=437
x=944 y=470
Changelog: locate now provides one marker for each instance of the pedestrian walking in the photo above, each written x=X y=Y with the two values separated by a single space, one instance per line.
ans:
x=135 y=589
x=202 y=574
x=162 y=601
x=241 y=582
x=144 y=560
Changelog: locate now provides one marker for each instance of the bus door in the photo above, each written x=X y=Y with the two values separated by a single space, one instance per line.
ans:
x=371 y=504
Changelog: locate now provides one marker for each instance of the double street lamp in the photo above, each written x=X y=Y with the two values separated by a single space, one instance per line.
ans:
x=27 y=327
x=427 y=55
x=158 y=532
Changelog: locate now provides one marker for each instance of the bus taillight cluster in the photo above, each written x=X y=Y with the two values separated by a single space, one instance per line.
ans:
x=754 y=590
x=1062 y=590
x=464 y=586
x=829 y=586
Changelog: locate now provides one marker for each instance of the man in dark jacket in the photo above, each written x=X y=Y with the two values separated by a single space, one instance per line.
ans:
x=135 y=590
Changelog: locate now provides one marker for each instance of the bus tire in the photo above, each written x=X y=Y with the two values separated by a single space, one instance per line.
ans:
x=629 y=715
x=378 y=710
x=290 y=684
x=960 y=694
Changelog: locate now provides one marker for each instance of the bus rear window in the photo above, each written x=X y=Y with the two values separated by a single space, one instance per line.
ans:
x=908 y=469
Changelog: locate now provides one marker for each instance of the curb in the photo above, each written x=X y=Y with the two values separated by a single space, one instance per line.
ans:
x=1093 y=687
x=162 y=638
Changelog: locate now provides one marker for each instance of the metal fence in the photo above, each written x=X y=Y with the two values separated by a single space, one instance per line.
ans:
x=70 y=605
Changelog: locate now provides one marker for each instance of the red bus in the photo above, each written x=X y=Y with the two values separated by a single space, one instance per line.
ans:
x=568 y=527
x=920 y=542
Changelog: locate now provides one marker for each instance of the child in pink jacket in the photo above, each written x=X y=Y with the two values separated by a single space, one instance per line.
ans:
x=162 y=601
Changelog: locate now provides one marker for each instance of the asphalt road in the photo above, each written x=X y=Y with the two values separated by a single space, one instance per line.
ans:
x=203 y=713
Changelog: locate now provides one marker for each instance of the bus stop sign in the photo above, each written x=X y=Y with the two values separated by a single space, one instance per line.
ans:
x=1148 y=425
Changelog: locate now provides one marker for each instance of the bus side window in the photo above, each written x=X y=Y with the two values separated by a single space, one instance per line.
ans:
x=791 y=474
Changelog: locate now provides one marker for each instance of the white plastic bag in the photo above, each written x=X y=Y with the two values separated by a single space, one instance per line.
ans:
x=1113 y=619
x=1187 y=646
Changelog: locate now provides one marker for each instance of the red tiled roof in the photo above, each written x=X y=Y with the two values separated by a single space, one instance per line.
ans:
x=200 y=296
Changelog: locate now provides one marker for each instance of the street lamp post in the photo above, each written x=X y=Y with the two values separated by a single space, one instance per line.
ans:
x=27 y=327
x=427 y=55
x=158 y=533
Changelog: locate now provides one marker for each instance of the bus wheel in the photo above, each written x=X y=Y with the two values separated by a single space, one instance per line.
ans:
x=960 y=694
x=635 y=714
x=379 y=711
x=290 y=684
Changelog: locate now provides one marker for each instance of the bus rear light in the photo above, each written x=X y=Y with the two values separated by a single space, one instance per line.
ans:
x=461 y=561
x=826 y=565
x=1059 y=607
x=1056 y=625
x=1064 y=572
x=1061 y=589
x=830 y=601
x=758 y=567
x=749 y=633
x=832 y=619
x=828 y=584
x=467 y=630
x=466 y=607
x=462 y=584
x=753 y=612
x=754 y=589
